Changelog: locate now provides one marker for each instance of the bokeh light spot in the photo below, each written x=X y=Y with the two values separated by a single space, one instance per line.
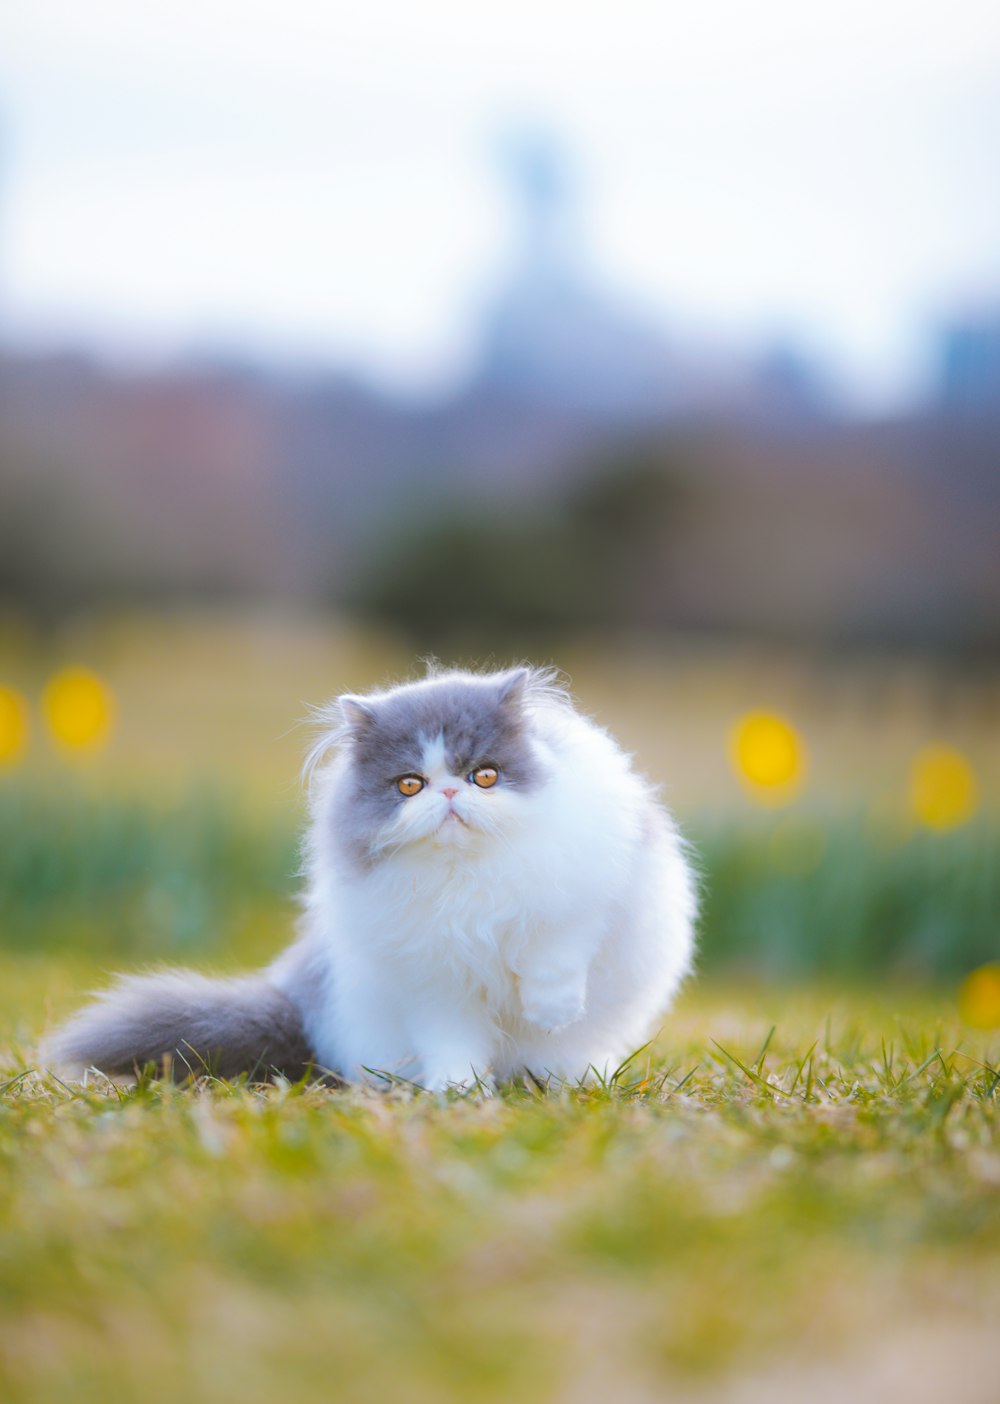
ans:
x=79 y=709
x=979 y=998
x=13 y=726
x=768 y=755
x=943 y=790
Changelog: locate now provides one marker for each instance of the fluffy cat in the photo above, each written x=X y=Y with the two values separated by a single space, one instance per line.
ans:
x=491 y=889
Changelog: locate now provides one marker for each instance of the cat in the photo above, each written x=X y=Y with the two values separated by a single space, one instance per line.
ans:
x=492 y=891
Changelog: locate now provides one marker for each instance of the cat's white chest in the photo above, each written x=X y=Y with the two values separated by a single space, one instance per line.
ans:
x=445 y=916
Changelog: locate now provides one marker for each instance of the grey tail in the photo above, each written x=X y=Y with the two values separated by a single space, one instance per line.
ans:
x=185 y=1024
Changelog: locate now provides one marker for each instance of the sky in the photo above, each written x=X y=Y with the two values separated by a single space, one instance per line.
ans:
x=319 y=181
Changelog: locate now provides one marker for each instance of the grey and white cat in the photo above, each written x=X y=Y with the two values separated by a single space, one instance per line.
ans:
x=491 y=889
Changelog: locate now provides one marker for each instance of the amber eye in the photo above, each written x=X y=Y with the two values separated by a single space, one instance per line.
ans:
x=409 y=785
x=485 y=777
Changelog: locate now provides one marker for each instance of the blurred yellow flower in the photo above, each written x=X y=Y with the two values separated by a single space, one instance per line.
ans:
x=979 y=998
x=943 y=790
x=79 y=709
x=13 y=726
x=767 y=754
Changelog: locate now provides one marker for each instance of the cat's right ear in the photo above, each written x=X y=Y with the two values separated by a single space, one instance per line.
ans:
x=345 y=719
x=357 y=715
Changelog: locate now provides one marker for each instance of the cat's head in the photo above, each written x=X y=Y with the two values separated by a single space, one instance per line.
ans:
x=447 y=762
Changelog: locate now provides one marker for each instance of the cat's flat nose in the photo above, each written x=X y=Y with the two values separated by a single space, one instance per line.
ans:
x=449 y=794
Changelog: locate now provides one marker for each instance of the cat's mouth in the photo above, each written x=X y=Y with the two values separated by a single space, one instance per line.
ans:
x=452 y=826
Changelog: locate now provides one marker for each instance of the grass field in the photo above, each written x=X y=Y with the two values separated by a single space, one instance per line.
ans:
x=793 y=1194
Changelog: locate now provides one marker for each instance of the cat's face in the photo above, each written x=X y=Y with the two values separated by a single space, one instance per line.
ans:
x=444 y=763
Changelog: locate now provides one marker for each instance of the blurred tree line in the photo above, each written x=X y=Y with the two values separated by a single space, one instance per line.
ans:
x=593 y=562
x=491 y=517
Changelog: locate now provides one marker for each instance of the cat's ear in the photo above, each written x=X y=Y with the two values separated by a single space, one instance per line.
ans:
x=345 y=719
x=513 y=686
x=357 y=715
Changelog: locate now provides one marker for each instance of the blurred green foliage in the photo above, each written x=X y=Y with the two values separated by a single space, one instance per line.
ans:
x=781 y=898
x=926 y=907
x=596 y=562
x=115 y=875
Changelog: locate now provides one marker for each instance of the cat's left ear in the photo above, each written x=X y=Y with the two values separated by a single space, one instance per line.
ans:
x=513 y=686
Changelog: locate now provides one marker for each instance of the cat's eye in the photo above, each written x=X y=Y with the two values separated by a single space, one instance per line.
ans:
x=410 y=785
x=485 y=777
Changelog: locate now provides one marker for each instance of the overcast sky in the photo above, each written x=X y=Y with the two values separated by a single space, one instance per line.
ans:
x=319 y=179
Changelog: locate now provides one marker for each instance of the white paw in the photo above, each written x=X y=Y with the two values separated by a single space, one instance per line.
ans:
x=442 y=1079
x=552 y=1010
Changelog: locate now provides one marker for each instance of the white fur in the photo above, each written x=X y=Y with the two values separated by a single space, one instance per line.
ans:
x=545 y=930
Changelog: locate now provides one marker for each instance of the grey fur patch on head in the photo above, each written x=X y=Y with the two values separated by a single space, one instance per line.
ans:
x=483 y=718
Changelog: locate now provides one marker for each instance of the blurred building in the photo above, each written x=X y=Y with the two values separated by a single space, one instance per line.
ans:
x=555 y=340
x=550 y=337
x=970 y=361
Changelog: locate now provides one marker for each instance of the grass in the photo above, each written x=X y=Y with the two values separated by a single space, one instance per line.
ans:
x=783 y=1187
x=787 y=1193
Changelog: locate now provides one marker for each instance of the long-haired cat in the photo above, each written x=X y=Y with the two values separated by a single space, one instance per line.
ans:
x=492 y=889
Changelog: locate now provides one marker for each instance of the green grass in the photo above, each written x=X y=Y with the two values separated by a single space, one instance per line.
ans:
x=795 y=1193
x=785 y=1188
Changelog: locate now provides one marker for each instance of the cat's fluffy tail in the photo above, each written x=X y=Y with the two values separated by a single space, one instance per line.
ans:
x=185 y=1023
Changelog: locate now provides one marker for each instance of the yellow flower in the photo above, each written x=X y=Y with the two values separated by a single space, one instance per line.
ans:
x=13 y=726
x=943 y=790
x=979 y=997
x=79 y=709
x=767 y=753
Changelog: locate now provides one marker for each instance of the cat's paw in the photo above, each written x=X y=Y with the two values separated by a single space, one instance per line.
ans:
x=446 y=1079
x=551 y=1010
